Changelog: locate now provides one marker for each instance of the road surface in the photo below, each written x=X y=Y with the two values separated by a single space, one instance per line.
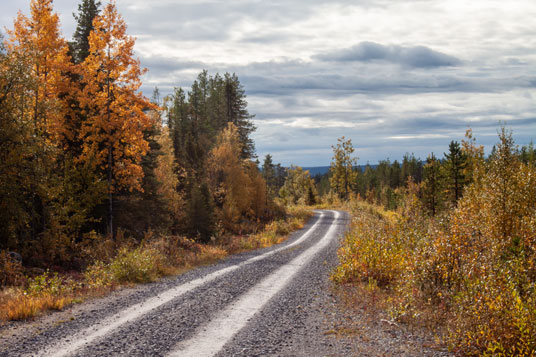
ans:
x=255 y=303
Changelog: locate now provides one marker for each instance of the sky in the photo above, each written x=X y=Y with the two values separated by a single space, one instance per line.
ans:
x=394 y=76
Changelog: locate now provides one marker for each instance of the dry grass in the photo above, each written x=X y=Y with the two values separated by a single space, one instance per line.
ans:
x=274 y=233
x=22 y=307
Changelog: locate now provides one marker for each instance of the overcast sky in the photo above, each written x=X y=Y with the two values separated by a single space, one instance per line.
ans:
x=394 y=76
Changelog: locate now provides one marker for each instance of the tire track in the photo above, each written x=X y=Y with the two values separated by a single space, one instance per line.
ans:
x=110 y=327
x=221 y=329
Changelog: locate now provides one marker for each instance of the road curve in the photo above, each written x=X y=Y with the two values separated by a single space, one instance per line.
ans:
x=249 y=304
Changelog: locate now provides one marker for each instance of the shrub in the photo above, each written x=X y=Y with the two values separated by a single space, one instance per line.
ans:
x=10 y=270
x=373 y=249
x=140 y=265
x=47 y=284
x=99 y=275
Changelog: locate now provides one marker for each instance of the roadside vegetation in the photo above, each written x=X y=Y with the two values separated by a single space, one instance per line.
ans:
x=454 y=249
x=129 y=262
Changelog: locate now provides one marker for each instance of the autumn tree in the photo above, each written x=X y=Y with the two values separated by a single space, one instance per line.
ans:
x=494 y=252
x=259 y=202
x=343 y=175
x=38 y=39
x=36 y=43
x=506 y=198
x=238 y=188
x=169 y=175
x=474 y=155
x=113 y=133
x=141 y=210
x=17 y=147
x=299 y=187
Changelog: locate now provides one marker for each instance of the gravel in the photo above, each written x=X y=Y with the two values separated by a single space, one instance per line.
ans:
x=303 y=319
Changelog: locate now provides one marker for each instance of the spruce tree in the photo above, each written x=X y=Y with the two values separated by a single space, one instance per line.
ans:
x=432 y=192
x=268 y=173
x=527 y=154
x=178 y=123
x=396 y=172
x=141 y=210
x=238 y=114
x=200 y=212
x=411 y=166
x=455 y=163
x=87 y=11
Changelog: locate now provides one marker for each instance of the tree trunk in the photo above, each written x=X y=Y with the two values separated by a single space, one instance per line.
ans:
x=110 y=194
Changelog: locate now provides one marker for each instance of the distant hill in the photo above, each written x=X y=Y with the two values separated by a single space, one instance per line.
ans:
x=321 y=170
x=317 y=170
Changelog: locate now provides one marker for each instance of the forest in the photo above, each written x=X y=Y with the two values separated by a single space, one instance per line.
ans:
x=86 y=155
x=100 y=185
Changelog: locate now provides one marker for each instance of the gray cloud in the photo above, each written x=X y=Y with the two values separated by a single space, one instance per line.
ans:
x=418 y=56
x=166 y=66
x=310 y=78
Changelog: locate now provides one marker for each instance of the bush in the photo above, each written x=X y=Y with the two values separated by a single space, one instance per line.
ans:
x=47 y=284
x=10 y=270
x=99 y=275
x=372 y=249
x=140 y=265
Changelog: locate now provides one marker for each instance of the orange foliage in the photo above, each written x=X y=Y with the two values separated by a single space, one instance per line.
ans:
x=168 y=174
x=37 y=40
x=238 y=187
x=116 y=115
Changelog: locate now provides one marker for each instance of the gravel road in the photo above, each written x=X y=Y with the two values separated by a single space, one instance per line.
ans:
x=274 y=301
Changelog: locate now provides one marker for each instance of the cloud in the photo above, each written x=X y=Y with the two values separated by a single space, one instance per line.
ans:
x=431 y=68
x=417 y=56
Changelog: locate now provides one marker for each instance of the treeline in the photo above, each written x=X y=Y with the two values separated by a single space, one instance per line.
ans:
x=441 y=179
x=220 y=184
x=86 y=157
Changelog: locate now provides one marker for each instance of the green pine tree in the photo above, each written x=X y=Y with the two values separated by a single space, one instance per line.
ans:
x=455 y=163
x=432 y=191
x=87 y=11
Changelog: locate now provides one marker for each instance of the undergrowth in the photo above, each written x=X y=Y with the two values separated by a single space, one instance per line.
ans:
x=468 y=274
x=24 y=297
